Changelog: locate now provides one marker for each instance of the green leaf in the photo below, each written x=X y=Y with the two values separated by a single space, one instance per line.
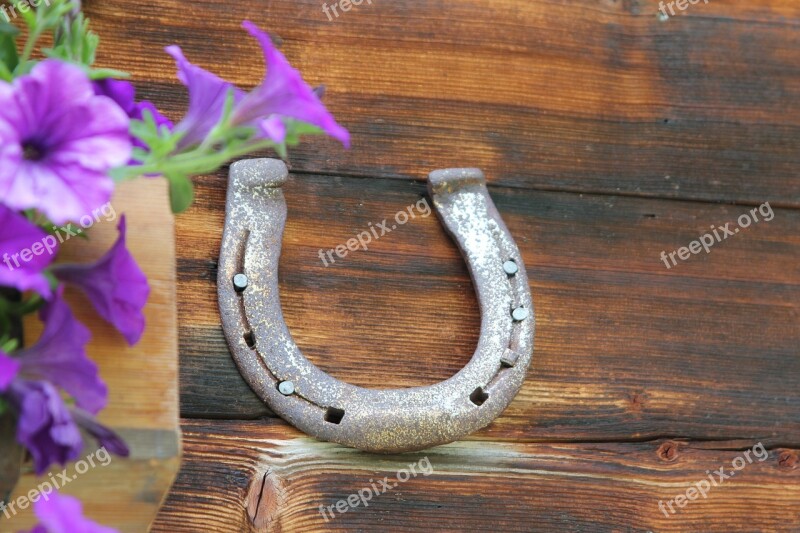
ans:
x=73 y=40
x=103 y=73
x=29 y=16
x=8 y=28
x=139 y=154
x=181 y=192
x=295 y=129
x=8 y=50
x=9 y=345
x=5 y=74
x=281 y=150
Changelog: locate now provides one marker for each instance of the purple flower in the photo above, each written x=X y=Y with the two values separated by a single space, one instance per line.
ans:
x=58 y=141
x=9 y=368
x=207 y=94
x=45 y=426
x=105 y=437
x=282 y=95
x=60 y=358
x=19 y=243
x=51 y=431
x=124 y=94
x=64 y=514
x=115 y=285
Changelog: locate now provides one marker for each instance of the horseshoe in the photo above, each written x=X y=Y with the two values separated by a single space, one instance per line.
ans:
x=392 y=420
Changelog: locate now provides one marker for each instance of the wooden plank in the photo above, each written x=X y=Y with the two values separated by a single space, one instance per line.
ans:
x=142 y=379
x=625 y=348
x=267 y=470
x=590 y=97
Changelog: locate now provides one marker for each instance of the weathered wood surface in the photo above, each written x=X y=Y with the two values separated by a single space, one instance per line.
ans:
x=235 y=470
x=608 y=136
x=142 y=379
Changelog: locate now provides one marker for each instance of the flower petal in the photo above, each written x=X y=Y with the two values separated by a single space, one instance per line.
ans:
x=19 y=240
x=64 y=192
x=9 y=367
x=41 y=97
x=115 y=285
x=105 y=437
x=59 y=356
x=102 y=141
x=45 y=426
x=64 y=514
x=122 y=92
x=73 y=138
x=283 y=92
x=274 y=128
x=207 y=94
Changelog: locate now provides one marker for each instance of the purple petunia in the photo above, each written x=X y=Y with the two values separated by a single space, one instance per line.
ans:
x=49 y=429
x=124 y=95
x=122 y=92
x=9 y=367
x=59 y=356
x=26 y=251
x=207 y=93
x=64 y=514
x=45 y=427
x=105 y=437
x=58 y=141
x=282 y=95
x=115 y=285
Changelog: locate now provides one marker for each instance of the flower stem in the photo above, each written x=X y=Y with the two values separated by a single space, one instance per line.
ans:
x=192 y=162
x=33 y=38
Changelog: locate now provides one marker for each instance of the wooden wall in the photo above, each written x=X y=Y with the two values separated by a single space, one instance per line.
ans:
x=608 y=136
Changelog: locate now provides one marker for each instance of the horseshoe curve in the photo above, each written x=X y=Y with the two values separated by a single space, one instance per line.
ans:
x=391 y=420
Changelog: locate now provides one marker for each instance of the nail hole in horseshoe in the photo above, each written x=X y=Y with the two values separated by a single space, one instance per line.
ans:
x=334 y=415
x=250 y=339
x=478 y=396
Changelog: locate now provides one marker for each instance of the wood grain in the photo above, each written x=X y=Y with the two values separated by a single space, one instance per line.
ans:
x=472 y=485
x=584 y=96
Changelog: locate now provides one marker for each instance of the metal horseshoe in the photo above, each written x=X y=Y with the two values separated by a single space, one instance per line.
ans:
x=392 y=420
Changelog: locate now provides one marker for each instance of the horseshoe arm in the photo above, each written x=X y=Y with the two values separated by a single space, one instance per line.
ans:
x=391 y=420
